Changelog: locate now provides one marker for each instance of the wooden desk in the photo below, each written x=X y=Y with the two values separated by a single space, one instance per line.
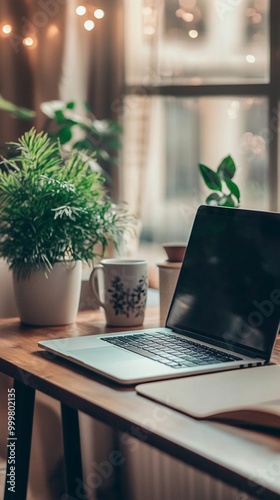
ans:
x=245 y=459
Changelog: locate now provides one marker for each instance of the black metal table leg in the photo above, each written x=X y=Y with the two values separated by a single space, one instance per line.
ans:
x=20 y=420
x=72 y=452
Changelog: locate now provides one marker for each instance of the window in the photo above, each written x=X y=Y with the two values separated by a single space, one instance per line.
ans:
x=201 y=82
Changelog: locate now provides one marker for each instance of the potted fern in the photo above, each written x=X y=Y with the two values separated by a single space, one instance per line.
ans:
x=53 y=214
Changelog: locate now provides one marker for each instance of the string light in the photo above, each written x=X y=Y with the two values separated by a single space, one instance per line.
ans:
x=6 y=29
x=90 y=11
x=89 y=25
x=28 y=41
x=188 y=17
x=99 y=13
x=81 y=10
x=193 y=33
x=190 y=14
x=149 y=21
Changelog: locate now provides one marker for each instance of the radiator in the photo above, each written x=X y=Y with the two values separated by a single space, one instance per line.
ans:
x=149 y=473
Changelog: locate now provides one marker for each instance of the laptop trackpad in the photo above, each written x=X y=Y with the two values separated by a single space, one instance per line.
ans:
x=118 y=364
x=102 y=356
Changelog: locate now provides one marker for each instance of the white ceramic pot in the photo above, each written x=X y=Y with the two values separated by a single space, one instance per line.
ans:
x=52 y=300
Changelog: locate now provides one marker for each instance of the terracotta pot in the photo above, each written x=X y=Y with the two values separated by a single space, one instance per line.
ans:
x=175 y=251
x=52 y=300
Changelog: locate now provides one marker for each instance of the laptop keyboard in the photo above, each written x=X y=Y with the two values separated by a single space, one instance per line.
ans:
x=170 y=350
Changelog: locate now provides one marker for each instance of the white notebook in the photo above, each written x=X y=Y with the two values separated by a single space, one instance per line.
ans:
x=249 y=396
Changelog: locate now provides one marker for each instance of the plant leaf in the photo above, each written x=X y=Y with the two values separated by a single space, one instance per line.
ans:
x=64 y=135
x=70 y=105
x=233 y=189
x=211 y=178
x=226 y=169
x=18 y=111
x=213 y=199
x=59 y=116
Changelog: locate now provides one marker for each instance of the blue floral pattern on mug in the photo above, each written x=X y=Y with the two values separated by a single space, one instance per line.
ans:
x=128 y=301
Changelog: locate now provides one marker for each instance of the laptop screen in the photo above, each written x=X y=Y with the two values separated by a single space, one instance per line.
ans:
x=228 y=290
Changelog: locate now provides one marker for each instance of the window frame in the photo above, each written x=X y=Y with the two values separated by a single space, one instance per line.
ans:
x=270 y=90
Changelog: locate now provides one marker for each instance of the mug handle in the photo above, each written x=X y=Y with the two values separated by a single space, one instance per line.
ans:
x=93 y=283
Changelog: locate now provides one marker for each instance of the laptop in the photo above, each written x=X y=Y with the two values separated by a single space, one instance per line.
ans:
x=224 y=314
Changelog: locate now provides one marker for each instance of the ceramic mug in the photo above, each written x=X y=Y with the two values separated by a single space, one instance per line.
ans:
x=120 y=287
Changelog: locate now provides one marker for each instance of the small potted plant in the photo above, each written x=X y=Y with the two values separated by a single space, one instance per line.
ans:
x=53 y=214
x=225 y=191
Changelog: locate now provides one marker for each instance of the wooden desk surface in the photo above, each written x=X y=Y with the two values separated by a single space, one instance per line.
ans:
x=244 y=458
